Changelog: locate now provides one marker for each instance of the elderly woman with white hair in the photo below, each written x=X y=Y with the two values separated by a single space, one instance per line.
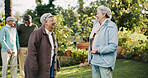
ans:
x=42 y=60
x=103 y=44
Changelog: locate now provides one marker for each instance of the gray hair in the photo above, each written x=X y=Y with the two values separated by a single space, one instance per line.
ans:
x=10 y=19
x=45 y=17
x=105 y=10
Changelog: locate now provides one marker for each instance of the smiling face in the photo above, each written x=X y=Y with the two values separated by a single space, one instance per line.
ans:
x=28 y=22
x=50 y=23
x=11 y=23
x=100 y=16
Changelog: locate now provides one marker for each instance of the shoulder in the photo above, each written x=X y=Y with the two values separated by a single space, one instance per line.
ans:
x=37 y=34
x=95 y=21
x=34 y=25
x=3 y=28
x=39 y=30
x=21 y=26
x=111 y=24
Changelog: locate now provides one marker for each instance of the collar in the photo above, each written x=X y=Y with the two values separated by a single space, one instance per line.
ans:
x=8 y=25
x=44 y=30
x=29 y=25
x=104 y=22
x=48 y=32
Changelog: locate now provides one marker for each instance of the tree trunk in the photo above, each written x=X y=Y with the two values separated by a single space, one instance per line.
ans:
x=81 y=5
x=8 y=8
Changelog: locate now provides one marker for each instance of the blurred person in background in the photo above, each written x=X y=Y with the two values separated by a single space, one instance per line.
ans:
x=10 y=47
x=24 y=31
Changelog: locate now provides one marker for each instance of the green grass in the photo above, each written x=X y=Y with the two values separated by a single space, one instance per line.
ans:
x=123 y=69
x=130 y=69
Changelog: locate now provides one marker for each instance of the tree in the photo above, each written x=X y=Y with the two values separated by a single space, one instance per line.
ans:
x=62 y=33
x=38 y=2
x=8 y=8
x=40 y=10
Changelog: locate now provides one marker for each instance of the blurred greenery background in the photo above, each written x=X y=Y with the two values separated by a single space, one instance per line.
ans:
x=74 y=25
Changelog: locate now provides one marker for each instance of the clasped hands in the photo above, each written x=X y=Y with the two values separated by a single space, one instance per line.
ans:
x=94 y=51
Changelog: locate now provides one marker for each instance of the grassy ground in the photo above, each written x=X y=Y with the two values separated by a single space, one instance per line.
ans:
x=123 y=69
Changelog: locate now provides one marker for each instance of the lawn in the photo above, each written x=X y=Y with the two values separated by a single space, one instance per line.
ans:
x=123 y=69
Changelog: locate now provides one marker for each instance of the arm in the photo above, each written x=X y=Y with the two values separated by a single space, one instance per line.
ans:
x=89 y=52
x=58 y=64
x=32 y=52
x=90 y=43
x=112 y=44
x=17 y=43
x=18 y=30
x=3 y=39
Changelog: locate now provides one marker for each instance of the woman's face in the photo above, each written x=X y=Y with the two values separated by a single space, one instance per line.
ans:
x=100 y=15
x=50 y=23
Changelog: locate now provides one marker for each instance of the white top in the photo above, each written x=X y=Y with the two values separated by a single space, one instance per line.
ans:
x=52 y=44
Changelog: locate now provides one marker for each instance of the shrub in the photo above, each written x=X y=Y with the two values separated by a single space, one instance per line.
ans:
x=62 y=33
x=79 y=54
x=69 y=62
x=134 y=45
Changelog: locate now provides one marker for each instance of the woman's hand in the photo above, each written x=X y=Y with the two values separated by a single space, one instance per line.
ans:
x=94 y=51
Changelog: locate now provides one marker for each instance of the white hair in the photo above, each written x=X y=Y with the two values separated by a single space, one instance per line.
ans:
x=45 y=17
x=105 y=10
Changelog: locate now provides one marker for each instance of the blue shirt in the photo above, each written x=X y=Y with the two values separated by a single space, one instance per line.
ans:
x=9 y=39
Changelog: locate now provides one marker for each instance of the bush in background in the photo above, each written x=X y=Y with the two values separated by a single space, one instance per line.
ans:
x=134 y=45
x=77 y=56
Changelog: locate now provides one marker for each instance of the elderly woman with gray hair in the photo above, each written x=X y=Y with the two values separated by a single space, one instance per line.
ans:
x=42 y=60
x=103 y=44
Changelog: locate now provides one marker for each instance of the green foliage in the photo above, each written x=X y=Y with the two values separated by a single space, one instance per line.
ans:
x=38 y=2
x=79 y=54
x=62 y=33
x=134 y=44
x=123 y=35
x=128 y=13
x=40 y=10
x=70 y=19
x=69 y=62
x=0 y=56
x=125 y=13
x=80 y=24
x=2 y=22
